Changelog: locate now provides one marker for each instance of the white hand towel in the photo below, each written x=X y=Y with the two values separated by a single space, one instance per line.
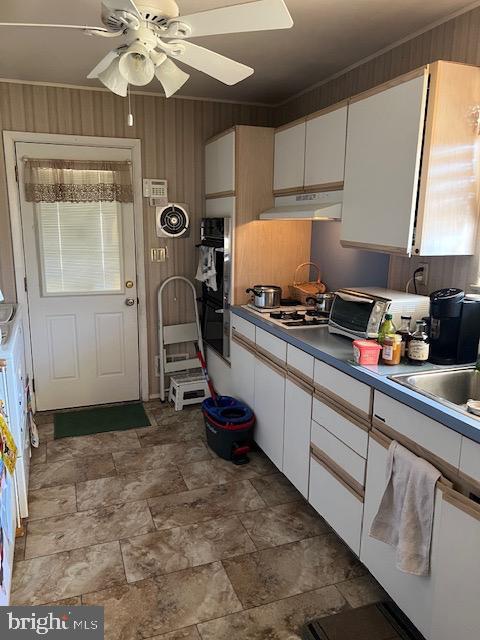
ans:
x=206 y=271
x=405 y=516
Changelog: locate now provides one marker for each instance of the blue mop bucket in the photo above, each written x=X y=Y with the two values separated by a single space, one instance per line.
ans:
x=229 y=427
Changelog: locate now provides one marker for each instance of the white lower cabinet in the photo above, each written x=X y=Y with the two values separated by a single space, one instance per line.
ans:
x=456 y=612
x=341 y=507
x=296 y=451
x=242 y=361
x=269 y=409
x=413 y=594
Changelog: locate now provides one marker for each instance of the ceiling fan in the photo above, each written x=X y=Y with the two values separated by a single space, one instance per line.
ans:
x=154 y=35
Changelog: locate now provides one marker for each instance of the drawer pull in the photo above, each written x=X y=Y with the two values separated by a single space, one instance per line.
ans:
x=299 y=383
x=346 y=412
x=239 y=339
x=375 y=415
x=272 y=365
x=468 y=505
x=338 y=473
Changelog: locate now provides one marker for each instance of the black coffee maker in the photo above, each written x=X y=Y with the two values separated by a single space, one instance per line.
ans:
x=454 y=327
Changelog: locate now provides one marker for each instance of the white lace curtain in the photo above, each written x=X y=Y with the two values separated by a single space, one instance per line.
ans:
x=77 y=181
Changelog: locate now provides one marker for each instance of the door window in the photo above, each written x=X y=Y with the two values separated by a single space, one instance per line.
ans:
x=80 y=247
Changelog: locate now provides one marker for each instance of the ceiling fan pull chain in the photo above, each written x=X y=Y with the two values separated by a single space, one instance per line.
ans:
x=130 y=120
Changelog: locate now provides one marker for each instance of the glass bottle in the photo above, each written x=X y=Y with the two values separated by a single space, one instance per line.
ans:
x=386 y=328
x=419 y=346
x=392 y=347
x=406 y=334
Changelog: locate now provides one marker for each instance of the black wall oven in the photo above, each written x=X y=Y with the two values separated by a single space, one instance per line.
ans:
x=215 y=305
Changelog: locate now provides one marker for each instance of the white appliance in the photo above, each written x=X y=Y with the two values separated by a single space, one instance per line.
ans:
x=306 y=206
x=358 y=313
x=172 y=221
x=13 y=394
x=292 y=316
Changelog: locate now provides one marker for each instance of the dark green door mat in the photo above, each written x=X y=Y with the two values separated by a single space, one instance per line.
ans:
x=86 y=421
x=381 y=621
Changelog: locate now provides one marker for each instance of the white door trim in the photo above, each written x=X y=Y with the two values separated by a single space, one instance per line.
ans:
x=10 y=138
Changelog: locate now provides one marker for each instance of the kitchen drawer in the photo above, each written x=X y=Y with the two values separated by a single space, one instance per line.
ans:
x=300 y=363
x=243 y=327
x=470 y=459
x=341 y=425
x=342 y=388
x=422 y=431
x=350 y=463
x=271 y=346
x=341 y=507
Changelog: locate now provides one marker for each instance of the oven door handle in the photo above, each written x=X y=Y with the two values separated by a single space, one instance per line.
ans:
x=352 y=298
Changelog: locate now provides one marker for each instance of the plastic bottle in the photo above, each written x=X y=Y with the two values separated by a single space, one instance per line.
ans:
x=387 y=327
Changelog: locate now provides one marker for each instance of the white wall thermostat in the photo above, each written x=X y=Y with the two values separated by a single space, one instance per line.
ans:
x=172 y=221
x=156 y=191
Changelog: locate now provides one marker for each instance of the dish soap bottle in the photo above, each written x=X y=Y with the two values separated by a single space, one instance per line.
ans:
x=419 y=347
x=405 y=333
x=386 y=328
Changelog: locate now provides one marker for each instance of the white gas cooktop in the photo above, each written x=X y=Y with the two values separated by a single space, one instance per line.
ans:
x=292 y=316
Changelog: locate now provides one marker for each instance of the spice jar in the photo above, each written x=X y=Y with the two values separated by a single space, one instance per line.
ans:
x=392 y=349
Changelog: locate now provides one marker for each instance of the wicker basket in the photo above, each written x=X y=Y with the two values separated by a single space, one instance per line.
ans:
x=302 y=290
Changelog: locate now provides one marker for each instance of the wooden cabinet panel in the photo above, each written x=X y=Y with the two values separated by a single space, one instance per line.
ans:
x=296 y=453
x=340 y=507
x=325 y=148
x=269 y=410
x=449 y=197
x=384 y=140
x=220 y=165
x=289 y=161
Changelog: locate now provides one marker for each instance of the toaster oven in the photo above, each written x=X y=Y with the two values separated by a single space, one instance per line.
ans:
x=358 y=313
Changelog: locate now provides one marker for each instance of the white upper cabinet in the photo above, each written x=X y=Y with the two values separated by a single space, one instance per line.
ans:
x=384 y=140
x=325 y=148
x=289 y=162
x=220 y=165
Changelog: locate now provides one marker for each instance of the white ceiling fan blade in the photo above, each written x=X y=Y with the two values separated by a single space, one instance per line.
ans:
x=171 y=77
x=251 y=16
x=103 y=64
x=52 y=26
x=213 y=64
x=122 y=5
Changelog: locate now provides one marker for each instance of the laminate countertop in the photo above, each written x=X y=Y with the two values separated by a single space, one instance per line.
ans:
x=337 y=351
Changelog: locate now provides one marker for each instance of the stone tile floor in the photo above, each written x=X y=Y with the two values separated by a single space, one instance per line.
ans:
x=175 y=543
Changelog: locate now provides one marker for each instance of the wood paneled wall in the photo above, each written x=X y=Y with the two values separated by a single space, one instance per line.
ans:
x=457 y=40
x=172 y=133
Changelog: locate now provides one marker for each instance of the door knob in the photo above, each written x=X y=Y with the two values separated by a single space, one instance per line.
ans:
x=129 y=302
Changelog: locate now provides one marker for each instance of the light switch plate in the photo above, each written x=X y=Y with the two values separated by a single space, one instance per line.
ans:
x=158 y=254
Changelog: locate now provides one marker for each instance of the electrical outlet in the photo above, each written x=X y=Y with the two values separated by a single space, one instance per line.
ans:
x=422 y=277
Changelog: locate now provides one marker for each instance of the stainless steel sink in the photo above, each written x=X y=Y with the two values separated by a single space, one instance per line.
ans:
x=451 y=387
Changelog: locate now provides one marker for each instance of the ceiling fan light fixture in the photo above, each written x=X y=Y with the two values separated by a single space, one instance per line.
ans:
x=113 y=79
x=136 y=66
x=171 y=77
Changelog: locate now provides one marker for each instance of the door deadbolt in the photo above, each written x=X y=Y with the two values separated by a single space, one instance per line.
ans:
x=129 y=284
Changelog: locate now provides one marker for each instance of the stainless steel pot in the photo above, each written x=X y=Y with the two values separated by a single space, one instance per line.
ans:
x=322 y=301
x=266 y=296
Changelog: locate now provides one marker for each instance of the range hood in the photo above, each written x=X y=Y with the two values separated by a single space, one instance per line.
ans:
x=306 y=206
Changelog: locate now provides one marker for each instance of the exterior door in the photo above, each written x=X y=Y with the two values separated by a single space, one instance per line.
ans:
x=82 y=291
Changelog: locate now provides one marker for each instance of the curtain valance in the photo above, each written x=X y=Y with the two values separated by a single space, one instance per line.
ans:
x=77 y=181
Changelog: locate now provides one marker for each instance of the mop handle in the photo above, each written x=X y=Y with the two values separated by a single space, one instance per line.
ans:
x=203 y=364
